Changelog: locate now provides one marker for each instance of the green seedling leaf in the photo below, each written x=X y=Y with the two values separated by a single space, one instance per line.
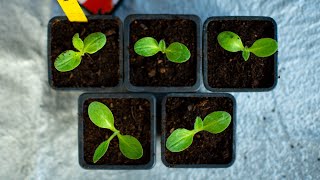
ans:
x=94 y=42
x=198 y=125
x=67 y=61
x=245 y=54
x=101 y=115
x=216 y=122
x=162 y=46
x=264 y=47
x=101 y=150
x=130 y=146
x=230 y=41
x=77 y=42
x=177 y=52
x=146 y=47
x=179 y=140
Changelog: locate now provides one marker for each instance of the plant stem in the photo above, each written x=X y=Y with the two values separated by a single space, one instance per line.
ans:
x=113 y=135
x=196 y=131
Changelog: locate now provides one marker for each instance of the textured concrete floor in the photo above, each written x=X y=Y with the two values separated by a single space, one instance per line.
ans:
x=278 y=132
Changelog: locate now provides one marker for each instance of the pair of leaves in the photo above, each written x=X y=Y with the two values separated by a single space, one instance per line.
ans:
x=263 y=47
x=102 y=117
x=129 y=146
x=70 y=59
x=176 y=52
x=215 y=122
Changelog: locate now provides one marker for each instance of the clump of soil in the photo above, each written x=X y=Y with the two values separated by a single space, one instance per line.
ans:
x=101 y=69
x=131 y=117
x=157 y=70
x=206 y=148
x=229 y=70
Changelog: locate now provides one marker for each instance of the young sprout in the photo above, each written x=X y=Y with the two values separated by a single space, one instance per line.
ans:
x=263 y=47
x=102 y=117
x=176 y=52
x=70 y=59
x=215 y=122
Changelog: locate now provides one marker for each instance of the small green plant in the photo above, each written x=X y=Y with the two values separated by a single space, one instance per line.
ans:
x=102 y=117
x=176 y=52
x=69 y=60
x=215 y=122
x=263 y=47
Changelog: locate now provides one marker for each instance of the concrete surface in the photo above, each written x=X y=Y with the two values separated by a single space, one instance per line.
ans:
x=278 y=132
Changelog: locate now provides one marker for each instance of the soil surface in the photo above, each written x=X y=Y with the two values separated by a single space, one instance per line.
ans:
x=229 y=70
x=100 y=69
x=157 y=70
x=131 y=117
x=206 y=148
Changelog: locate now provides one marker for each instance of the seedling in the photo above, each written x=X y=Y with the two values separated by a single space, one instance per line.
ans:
x=70 y=59
x=215 y=122
x=176 y=52
x=263 y=47
x=102 y=117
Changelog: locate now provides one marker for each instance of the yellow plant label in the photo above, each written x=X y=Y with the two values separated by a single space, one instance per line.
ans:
x=73 y=10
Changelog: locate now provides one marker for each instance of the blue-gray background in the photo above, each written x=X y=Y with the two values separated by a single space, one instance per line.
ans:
x=278 y=132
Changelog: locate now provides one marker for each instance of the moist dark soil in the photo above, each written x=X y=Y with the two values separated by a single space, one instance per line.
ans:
x=229 y=70
x=131 y=117
x=157 y=70
x=206 y=148
x=100 y=69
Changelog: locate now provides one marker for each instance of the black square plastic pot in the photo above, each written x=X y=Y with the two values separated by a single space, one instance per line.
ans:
x=134 y=114
x=207 y=150
x=101 y=71
x=156 y=73
x=227 y=71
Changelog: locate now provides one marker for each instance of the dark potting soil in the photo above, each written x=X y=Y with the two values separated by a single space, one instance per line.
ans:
x=157 y=70
x=229 y=70
x=131 y=117
x=100 y=69
x=206 y=148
